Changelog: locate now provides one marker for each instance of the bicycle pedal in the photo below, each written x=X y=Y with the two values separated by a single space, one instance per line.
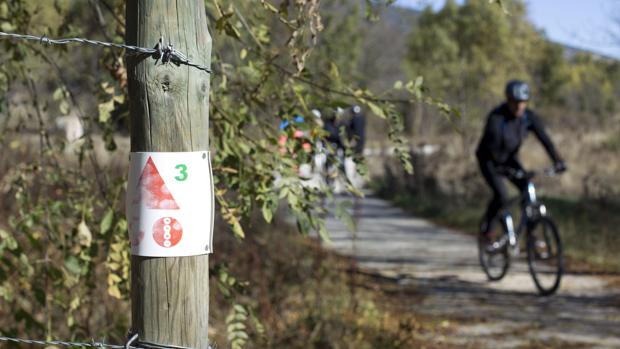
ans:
x=492 y=247
x=495 y=246
x=515 y=251
x=512 y=239
x=541 y=250
x=540 y=245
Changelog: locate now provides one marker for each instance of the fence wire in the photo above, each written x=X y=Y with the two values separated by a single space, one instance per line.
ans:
x=132 y=343
x=63 y=343
x=165 y=53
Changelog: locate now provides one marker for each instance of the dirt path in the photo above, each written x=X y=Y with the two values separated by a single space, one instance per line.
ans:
x=443 y=278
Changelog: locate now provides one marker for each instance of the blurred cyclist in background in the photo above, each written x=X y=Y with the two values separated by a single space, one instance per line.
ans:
x=356 y=130
x=356 y=134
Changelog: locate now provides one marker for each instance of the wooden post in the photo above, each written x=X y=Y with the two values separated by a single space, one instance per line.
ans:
x=169 y=108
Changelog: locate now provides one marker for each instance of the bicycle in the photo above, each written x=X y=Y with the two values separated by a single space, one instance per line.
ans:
x=543 y=244
x=332 y=168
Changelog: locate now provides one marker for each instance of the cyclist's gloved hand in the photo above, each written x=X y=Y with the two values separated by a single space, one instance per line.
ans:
x=559 y=167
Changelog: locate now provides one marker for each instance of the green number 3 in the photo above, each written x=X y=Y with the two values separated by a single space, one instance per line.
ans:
x=182 y=171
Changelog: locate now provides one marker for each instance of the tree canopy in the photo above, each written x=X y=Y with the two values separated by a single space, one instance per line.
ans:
x=468 y=52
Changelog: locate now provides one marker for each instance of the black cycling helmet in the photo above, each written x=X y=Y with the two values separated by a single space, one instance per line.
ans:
x=517 y=90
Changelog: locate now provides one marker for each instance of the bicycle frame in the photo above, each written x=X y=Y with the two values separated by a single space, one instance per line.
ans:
x=531 y=209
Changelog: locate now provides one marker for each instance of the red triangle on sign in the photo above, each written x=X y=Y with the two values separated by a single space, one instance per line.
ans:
x=153 y=192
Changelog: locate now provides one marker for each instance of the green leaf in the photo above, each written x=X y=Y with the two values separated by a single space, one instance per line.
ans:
x=6 y=292
x=39 y=295
x=70 y=320
x=269 y=6
x=376 y=109
x=107 y=88
x=7 y=27
x=106 y=221
x=324 y=234
x=58 y=94
x=417 y=87
x=84 y=236
x=64 y=107
x=113 y=279
x=334 y=72
x=293 y=199
x=418 y=82
x=239 y=333
x=121 y=225
x=342 y=213
x=236 y=326
x=240 y=309
x=267 y=213
x=257 y=323
x=238 y=230
x=73 y=265
x=105 y=111
x=8 y=239
x=75 y=303
x=115 y=292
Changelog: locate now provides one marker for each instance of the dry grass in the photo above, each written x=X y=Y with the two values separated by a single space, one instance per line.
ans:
x=309 y=298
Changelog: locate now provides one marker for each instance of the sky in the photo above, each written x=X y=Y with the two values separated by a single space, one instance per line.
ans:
x=585 y=24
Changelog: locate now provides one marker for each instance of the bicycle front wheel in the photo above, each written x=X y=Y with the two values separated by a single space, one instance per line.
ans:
x=544 y=256
x=493 y=252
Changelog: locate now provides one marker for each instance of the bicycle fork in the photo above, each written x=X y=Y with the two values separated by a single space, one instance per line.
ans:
x=509 y=228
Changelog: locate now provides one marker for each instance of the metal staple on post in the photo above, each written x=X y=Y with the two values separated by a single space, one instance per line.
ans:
x=167 y=53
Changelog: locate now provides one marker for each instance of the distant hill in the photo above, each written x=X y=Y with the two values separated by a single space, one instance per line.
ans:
x=400 y=18
x=570 y=52
x=385 y=46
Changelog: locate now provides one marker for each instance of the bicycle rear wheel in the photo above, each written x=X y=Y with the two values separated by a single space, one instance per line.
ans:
x=493 y=252
x=544 y=256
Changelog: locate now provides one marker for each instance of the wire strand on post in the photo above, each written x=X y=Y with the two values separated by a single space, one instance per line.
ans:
x=167 y=53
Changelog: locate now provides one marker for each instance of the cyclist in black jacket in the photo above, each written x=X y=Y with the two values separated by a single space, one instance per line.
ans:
x=357 y=129
x=506 y=128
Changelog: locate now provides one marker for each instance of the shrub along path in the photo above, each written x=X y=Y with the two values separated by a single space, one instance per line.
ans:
x=439 y=273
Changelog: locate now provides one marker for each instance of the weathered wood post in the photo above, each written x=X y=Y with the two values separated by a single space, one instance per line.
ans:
x=169 y=108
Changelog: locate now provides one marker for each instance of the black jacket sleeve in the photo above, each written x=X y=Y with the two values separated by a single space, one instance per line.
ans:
x=537 y=127
x=490 y=143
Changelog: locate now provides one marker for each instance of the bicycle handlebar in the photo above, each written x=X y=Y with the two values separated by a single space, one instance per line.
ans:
x=528 y=175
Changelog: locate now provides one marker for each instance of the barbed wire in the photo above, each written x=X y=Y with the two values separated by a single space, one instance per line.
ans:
x=63 y=343
x=167 y=53
x=129 y=345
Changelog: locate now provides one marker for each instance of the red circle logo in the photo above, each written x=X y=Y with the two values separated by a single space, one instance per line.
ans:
x=167 y=232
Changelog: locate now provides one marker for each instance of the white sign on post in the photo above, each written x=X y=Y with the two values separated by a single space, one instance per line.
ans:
x=169 y=204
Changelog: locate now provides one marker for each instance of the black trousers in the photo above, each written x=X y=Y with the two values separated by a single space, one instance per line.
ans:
x=495 y=180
